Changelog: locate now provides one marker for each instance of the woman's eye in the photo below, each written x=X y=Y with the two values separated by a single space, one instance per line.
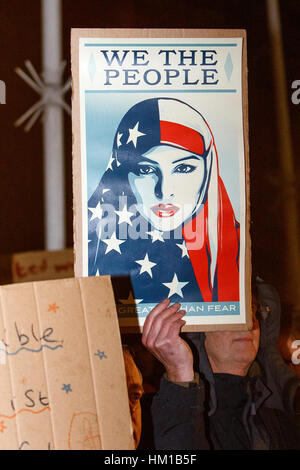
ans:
x=184 y=168
x=145 y=170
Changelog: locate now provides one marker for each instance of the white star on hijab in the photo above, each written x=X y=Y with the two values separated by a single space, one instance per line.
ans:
x=113 y=243
x=146 y=265
x=134 y=134
x=175 y=286
x=96 y=211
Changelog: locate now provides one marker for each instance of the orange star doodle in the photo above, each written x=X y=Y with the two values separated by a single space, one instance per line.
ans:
x=53 y=307
x=2 y=426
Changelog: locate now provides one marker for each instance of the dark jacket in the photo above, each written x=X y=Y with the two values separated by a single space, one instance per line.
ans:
x=222 y=411
x=227 y=416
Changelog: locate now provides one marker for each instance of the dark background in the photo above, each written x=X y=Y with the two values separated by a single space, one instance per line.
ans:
x=21 y=154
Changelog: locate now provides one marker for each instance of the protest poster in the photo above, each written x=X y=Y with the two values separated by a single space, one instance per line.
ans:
x=39 y=265
x=160 y=166
x=63 y=381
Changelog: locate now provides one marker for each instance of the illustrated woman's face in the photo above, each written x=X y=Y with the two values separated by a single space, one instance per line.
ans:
x=166 y=183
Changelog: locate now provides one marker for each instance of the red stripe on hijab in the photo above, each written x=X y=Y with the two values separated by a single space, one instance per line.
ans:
x=228 y=249
x=184 y=137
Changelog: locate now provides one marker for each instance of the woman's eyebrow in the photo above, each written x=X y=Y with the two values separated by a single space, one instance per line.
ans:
x=148 y=160
x=190 y=157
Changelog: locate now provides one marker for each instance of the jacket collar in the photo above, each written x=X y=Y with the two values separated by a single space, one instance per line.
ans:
x=258 y=392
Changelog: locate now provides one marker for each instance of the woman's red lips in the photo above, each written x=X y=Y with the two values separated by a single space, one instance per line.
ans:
x=164 y=210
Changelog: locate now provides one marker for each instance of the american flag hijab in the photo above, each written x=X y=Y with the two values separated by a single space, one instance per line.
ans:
x=200 y=265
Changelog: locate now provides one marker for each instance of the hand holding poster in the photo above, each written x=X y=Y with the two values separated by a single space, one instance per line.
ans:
x=159 y=147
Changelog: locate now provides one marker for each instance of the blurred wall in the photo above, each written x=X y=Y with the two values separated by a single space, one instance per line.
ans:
x=21 y=158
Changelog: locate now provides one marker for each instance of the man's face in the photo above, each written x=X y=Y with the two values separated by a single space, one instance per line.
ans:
x=233 y=352
x=135 y=391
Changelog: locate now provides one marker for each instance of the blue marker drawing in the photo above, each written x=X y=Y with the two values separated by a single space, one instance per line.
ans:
x=23 y=348
x=100 y=354
x=67 y=388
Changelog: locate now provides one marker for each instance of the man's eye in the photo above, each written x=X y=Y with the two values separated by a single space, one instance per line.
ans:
x=135 y=396
x=145 y=170
x=184 y=168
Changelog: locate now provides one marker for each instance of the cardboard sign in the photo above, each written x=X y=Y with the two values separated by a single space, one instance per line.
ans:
x=32 y=266
x=161 y=171
x=63 y=383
